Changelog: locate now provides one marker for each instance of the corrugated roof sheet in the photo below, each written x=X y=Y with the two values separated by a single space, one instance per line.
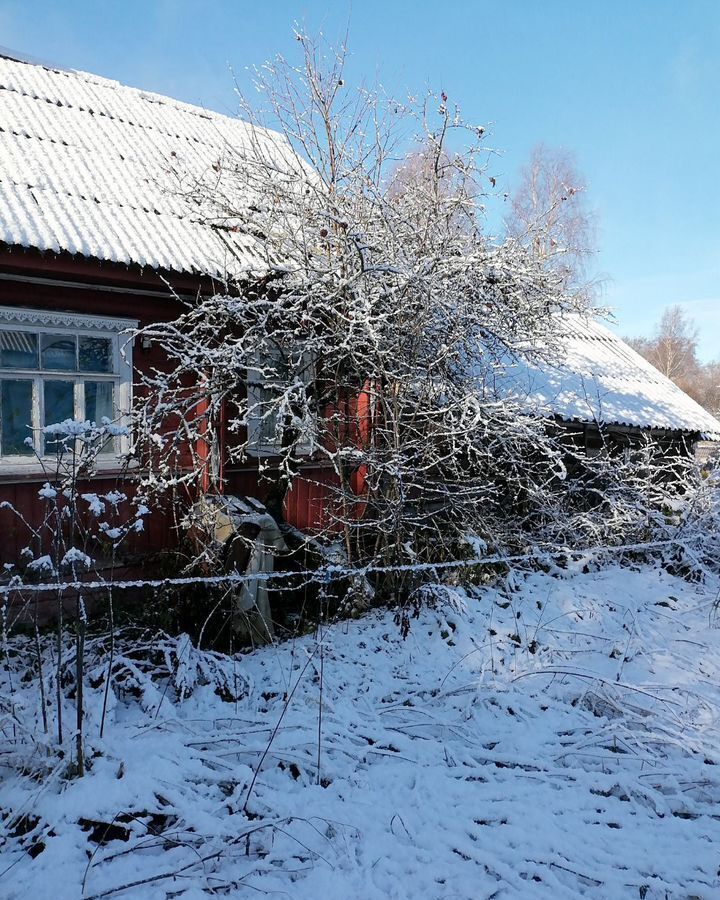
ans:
x=597 y=377
x=91 y=167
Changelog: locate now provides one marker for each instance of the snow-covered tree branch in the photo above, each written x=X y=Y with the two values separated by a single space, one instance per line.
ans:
x=374 y=335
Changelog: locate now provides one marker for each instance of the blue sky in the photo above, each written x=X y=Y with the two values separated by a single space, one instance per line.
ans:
x=632 y=88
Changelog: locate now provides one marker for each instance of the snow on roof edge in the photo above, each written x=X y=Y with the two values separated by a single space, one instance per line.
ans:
x=599 y=378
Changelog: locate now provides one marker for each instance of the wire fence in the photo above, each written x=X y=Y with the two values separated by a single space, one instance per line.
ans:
x=328 y=573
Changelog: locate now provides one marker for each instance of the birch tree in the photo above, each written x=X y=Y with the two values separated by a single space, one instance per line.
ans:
x=673 y=348
x=549 y=214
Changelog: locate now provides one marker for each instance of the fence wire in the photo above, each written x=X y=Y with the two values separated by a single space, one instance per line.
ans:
x=330 y=573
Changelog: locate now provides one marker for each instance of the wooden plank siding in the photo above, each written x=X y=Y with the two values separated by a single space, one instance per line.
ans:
x=50 y=289
x=158 y=533
x=62 y=283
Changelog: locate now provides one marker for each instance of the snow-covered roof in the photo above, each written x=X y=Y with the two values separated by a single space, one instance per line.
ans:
x=95 y=168
x=597 y=377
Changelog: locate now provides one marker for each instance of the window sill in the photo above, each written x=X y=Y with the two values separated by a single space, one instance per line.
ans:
x=33 y=471
x=266 y=451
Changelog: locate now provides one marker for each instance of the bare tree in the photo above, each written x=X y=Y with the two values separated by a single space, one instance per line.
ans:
x=549 y=214
x=673 y=349
x=709 y=387
x=432 y=175
x=375 y=337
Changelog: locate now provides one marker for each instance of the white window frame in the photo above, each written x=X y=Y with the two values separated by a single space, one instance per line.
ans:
x=258 y=445
x=37 y=321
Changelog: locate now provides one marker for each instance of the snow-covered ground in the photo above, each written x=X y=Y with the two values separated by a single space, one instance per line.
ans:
x=558 y=740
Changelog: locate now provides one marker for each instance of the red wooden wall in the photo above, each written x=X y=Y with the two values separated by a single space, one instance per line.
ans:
x=80 y=290
x=82 y=286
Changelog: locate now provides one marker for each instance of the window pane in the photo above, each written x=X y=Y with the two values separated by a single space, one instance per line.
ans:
x=95 y=355
x=18 y=350
x=269 y=421
x=99 y=405
x=98 y=401
x=16 y=416
x=58 y=352
x=59 y=406
x=262 y=416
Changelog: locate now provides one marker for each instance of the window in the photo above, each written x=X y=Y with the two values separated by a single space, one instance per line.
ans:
x=57 y=366
x=276 y=388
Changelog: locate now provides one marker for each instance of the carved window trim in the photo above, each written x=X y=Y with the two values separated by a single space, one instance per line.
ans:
x=38 y=321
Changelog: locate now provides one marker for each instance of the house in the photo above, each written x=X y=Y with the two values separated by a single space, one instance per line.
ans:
x=98 y=236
